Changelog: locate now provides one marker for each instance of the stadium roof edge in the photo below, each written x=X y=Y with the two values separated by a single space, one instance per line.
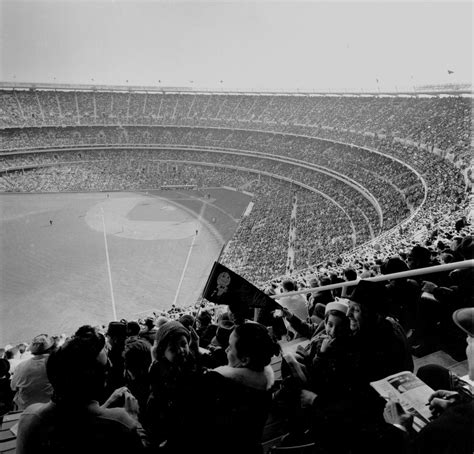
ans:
x=453 y=90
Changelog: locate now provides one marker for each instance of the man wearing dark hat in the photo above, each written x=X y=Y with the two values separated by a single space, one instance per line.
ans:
x=403 y=293
x=30 y=380
x=382 y=342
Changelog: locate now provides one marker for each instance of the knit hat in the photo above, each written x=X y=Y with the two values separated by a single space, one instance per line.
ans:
x=464 y=319
x=341 y=305
x=370 y=294
x=161 y=320
x=167 y=332
x=41 y=344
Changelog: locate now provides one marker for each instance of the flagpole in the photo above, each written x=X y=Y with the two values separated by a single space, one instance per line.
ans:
x=114 y=312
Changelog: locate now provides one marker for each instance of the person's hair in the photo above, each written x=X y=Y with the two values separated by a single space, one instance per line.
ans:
x=187 y=320
x=137 y=357
x=288 y=285
x=4 y=367
x=254 y=342
x=11 y=352
x=205 y=318
x=73 y=369
x=324 y=280
x=350 y=274
x=133 y=328
x=343 y=317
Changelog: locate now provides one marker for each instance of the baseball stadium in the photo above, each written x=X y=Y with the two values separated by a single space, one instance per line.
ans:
x=348 y=210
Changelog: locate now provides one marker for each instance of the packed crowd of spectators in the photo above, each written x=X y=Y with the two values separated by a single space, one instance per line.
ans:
x=274 y=134
x=135 y=385
x=441 y=122
x=397 y=189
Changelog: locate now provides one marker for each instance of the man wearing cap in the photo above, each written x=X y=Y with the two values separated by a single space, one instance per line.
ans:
x=30 y=380
x=382 y=343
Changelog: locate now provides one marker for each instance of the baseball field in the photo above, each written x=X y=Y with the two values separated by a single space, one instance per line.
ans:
x=58 y=270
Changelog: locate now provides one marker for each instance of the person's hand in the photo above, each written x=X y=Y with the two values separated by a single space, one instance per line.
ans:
x=301 y=354
x=393 y=413
x=194 y=338
x=326 y=344
x=428 y=287
x=307 y=398
x=442 y=399
x=115 y=397
x=131 y=405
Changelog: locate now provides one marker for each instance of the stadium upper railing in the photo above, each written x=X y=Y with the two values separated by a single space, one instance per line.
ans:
x=385 y=277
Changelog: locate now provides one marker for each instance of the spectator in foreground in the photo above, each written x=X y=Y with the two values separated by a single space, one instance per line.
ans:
x=30 y=380
x=137 y=360
x=378 y=348
x=452 y=430
x=172 y=379
x=235 y=399
x=73 y=422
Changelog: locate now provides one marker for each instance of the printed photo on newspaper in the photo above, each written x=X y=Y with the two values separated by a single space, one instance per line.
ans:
x=412 y=394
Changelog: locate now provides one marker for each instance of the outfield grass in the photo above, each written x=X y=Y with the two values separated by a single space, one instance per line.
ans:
x=53 y=278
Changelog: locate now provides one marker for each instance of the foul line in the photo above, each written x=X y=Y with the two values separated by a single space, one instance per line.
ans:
x=203 y=207
x=108 y=267
x=184 y=269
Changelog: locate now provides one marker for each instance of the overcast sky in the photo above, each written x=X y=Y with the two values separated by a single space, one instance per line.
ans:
x=260 y=44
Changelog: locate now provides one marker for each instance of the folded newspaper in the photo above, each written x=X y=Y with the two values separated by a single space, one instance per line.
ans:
x=412 y=394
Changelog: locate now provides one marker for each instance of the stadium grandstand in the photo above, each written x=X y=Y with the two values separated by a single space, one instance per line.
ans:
x=361 y=159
